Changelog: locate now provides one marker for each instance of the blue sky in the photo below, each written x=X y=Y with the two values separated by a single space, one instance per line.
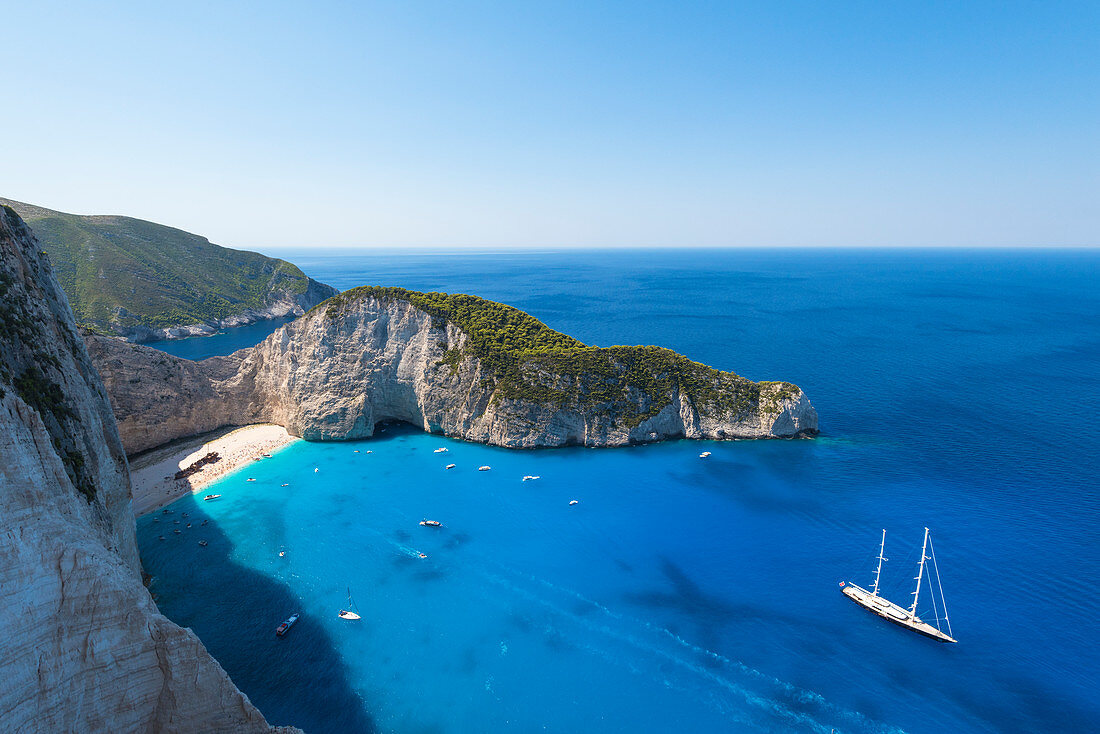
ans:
x=524 y=124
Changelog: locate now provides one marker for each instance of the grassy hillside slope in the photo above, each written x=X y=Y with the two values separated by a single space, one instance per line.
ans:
x=119 y=272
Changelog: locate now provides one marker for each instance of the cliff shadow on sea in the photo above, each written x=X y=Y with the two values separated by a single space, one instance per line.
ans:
x=297 y=680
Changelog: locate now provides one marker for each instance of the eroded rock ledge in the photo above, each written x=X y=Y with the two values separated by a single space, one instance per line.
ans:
x=451 y=364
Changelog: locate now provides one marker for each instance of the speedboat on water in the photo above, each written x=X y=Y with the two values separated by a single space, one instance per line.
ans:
x=441 y=450
x=282 y=628
x=449 y=466
x=704 y=455
x=529 y=477
x=484 y=468
x=431 y=523
x=574 y=502
x=209 y=497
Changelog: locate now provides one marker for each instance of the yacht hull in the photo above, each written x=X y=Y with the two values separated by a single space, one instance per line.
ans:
x=891 y=612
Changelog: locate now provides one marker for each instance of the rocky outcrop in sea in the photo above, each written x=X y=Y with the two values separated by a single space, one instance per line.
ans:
x=83 y=647
x=454 y=365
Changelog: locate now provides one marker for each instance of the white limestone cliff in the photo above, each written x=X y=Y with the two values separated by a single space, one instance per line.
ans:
x=343 y=368
x=83 y=647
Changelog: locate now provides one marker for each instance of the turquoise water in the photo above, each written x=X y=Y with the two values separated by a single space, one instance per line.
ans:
x=956 y=390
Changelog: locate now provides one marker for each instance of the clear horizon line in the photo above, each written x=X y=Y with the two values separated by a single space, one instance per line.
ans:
x=473 y=249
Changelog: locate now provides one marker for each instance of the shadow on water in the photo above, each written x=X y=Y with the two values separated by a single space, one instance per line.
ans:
x=688 y=600
x=299 y=679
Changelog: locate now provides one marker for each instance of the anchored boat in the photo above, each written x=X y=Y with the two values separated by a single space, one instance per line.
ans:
x=282 y=628
x=891 y=612
x=348 y=613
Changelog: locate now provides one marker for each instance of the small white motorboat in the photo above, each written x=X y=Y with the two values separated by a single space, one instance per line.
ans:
x=531 y=477
x=704 y=455
x=440 y=450
x=209 y=497
x=250 y=479
x=285 y=485
x=484 y=468
x=449 y=466
x=431 y=523
x=574 y=502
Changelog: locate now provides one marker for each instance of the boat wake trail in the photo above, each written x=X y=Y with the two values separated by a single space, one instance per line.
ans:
x=739 y=693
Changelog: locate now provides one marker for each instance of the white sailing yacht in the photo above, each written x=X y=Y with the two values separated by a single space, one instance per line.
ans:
x=888 y=610
x=348 y=613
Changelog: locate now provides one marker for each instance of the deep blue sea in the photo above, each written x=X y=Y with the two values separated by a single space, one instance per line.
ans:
x=225 y=341
x=957 y=390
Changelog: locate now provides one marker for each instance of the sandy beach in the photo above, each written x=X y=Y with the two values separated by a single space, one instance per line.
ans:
x=152 y=472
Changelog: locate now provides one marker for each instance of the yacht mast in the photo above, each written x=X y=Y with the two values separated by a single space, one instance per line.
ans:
x=878 y=572
x=920 y=575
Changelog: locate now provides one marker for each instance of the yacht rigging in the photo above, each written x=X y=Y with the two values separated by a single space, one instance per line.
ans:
x=892 y=612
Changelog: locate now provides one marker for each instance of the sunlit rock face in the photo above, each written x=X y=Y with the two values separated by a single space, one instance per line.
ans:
x=83 y=647
x=337 y=372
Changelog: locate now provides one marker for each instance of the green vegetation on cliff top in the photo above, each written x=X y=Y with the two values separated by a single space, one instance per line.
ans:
x=528 y=360
x=124 y=272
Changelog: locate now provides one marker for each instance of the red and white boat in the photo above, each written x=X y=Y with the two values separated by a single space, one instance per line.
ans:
x=282 y=628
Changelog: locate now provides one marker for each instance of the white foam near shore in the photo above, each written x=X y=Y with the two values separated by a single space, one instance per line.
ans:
x=152 y=473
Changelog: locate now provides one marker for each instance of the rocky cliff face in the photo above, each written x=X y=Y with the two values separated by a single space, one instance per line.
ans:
x=362 y=359
x=82 y=645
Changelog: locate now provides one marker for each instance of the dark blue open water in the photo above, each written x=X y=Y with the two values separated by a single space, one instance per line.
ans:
x=225 y=341
x=957 y=390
